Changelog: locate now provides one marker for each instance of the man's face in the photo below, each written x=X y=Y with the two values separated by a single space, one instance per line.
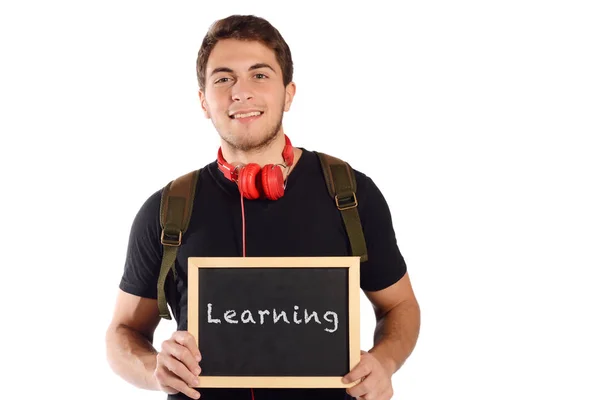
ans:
x=244 y=94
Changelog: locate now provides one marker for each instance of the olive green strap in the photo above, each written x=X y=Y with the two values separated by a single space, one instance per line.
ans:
x=175 y=212
x=341 y=184
x=169 y=256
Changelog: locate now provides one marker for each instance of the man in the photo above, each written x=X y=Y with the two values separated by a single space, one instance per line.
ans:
x=244 y=72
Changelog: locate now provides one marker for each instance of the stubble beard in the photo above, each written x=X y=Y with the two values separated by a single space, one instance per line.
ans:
x=242 y=144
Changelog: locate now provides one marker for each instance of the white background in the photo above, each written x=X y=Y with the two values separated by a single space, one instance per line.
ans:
x=478 y=120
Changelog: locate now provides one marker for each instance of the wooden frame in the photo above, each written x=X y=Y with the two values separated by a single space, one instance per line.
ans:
x=353 y=266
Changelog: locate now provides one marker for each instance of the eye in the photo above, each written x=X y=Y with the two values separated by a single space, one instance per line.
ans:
x=221 y=80
x=261 y=76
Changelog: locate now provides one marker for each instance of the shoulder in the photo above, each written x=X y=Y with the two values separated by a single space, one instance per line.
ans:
x=147 y=219
x=372 y=203
x=364 y=183
x=150 y=209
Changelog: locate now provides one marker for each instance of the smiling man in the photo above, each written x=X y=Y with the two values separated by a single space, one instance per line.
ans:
x=261 y=197
x=245 y=91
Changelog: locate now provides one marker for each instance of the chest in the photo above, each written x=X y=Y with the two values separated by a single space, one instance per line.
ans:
x=289 y=227
x=293 y=226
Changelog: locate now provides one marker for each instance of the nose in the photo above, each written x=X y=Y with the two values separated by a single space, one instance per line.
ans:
x=241 y=91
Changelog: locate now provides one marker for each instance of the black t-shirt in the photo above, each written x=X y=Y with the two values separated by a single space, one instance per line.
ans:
x=305 y=222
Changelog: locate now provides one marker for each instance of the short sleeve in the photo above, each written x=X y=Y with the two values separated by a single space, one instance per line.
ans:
x=144 y=252
x=385 y=265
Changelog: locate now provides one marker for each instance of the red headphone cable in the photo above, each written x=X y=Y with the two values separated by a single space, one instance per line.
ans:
x=244 y=248
x=243 y=226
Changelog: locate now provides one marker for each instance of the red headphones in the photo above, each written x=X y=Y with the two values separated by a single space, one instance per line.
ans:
x=253 y=181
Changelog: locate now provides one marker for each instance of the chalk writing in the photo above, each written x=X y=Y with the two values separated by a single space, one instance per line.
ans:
x=247 y=317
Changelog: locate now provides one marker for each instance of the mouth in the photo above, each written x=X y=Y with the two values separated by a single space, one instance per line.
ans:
x=246 y=117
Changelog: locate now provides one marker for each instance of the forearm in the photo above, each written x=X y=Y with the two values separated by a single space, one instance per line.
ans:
x=132 y=356
x=396 y=335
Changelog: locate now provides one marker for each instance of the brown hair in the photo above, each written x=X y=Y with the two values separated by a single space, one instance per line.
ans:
x=245 y=27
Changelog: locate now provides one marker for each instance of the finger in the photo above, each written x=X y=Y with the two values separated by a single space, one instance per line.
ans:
x=175 y=366
x=171 y=381
x=167 y=389
x=366 y=388
x=362 y=369
x=182 y=354
x=186 y=339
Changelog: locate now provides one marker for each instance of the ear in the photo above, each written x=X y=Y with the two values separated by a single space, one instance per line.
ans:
x=290 y=92
x=203 y=104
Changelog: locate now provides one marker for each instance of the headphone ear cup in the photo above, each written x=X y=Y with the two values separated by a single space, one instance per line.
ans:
x=272 y=182
x=288 y=153
x=247 y=181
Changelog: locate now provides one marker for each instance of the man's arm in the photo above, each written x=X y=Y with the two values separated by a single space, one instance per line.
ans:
x=131 y=355
x=398 y=323
x=129 y=338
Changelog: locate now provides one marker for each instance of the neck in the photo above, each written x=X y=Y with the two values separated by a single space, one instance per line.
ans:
x=269 y=154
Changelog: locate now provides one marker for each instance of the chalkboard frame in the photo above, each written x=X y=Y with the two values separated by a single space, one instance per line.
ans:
x=351 y=263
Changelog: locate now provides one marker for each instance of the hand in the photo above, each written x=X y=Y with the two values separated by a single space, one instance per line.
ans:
x=376 y=382
x=177 y=366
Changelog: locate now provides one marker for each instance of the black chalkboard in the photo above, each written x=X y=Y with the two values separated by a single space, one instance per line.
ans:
x=285 y=322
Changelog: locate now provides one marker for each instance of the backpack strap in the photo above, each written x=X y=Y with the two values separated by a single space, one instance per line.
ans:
x=341 y=183
x=175 y=211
